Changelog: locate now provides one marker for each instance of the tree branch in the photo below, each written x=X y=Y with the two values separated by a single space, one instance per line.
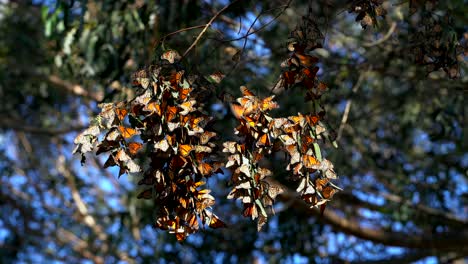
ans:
x=382 y=40
x=8 y=123
x=77 y=244
x=344 y=119
x=410 y=257
x=454 y=241
x=73 y=88
x=207 y=26
x=88 y=219
x=249 y=32
x=447 y=218
x=68 y=86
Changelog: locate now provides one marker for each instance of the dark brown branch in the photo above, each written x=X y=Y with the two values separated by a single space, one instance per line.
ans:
x=285 y=6
x=344 y=119
x=207 y=26
x=8 y=123
x=82 y=207
x=447 y=218
x=454 y=241
x=180 y=31
x=58 y=82
x=409 y=257
x=78 y=245
x=73 y=88
x=428 y=211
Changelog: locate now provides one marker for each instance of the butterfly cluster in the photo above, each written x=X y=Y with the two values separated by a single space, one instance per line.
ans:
x=166 y=125
x=367 y=11
x=256 y=140
x=261 y=135
x=163 y=135
x=300 y=135
x=300 y=68
x=436 y=45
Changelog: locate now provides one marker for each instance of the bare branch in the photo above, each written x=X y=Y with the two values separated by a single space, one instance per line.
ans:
x=180 y=30
x=285 y=6
x=344 y=119
x=410 y=257
x=78 y=245
x=207 y=26
x=73 y=88
x=447 y=218
x=8 y=123
x=453 y=241
x=384 y=38
x=88 y=219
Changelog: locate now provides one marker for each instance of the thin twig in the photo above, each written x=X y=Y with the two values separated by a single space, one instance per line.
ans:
x=249 y=32
x=180 y=30
x=344 y=119
x=9 y=123
x=78 y=245
x=245 y=44
x=226 y=19
x=73 y=88
x=285 y=6
x=382 y=40
x=81 y=205
x=207 y=26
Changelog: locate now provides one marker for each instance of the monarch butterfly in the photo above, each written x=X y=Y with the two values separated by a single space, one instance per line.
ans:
x=127 y=132
x=121 y=113
x=215 y=222
x=309 y=161
x=134 y=147
x=185 y=150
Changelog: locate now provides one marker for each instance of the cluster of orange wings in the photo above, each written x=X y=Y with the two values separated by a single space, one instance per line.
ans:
x=298 y=136
x=162 y=135
x=249 y=179
x=301 y=71
x=261 y=134
x=367 y=11
x=432 y=47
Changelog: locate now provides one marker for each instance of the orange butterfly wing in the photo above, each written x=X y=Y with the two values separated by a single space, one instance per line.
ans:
x=328 y=192
x=153 y=107
x=237 y=110
x=215 y=222
x=320 y=183
x=289 y=77
x=185 y=150
x=306 y=60
x=134 y=147
x=171 y=112
x=127 y=132
x=205 y=168
x=121 y=113
x=264 y=140
x=246 y=92
x=309 y=161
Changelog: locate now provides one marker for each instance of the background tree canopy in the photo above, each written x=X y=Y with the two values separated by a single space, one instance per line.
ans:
x=396 y=72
